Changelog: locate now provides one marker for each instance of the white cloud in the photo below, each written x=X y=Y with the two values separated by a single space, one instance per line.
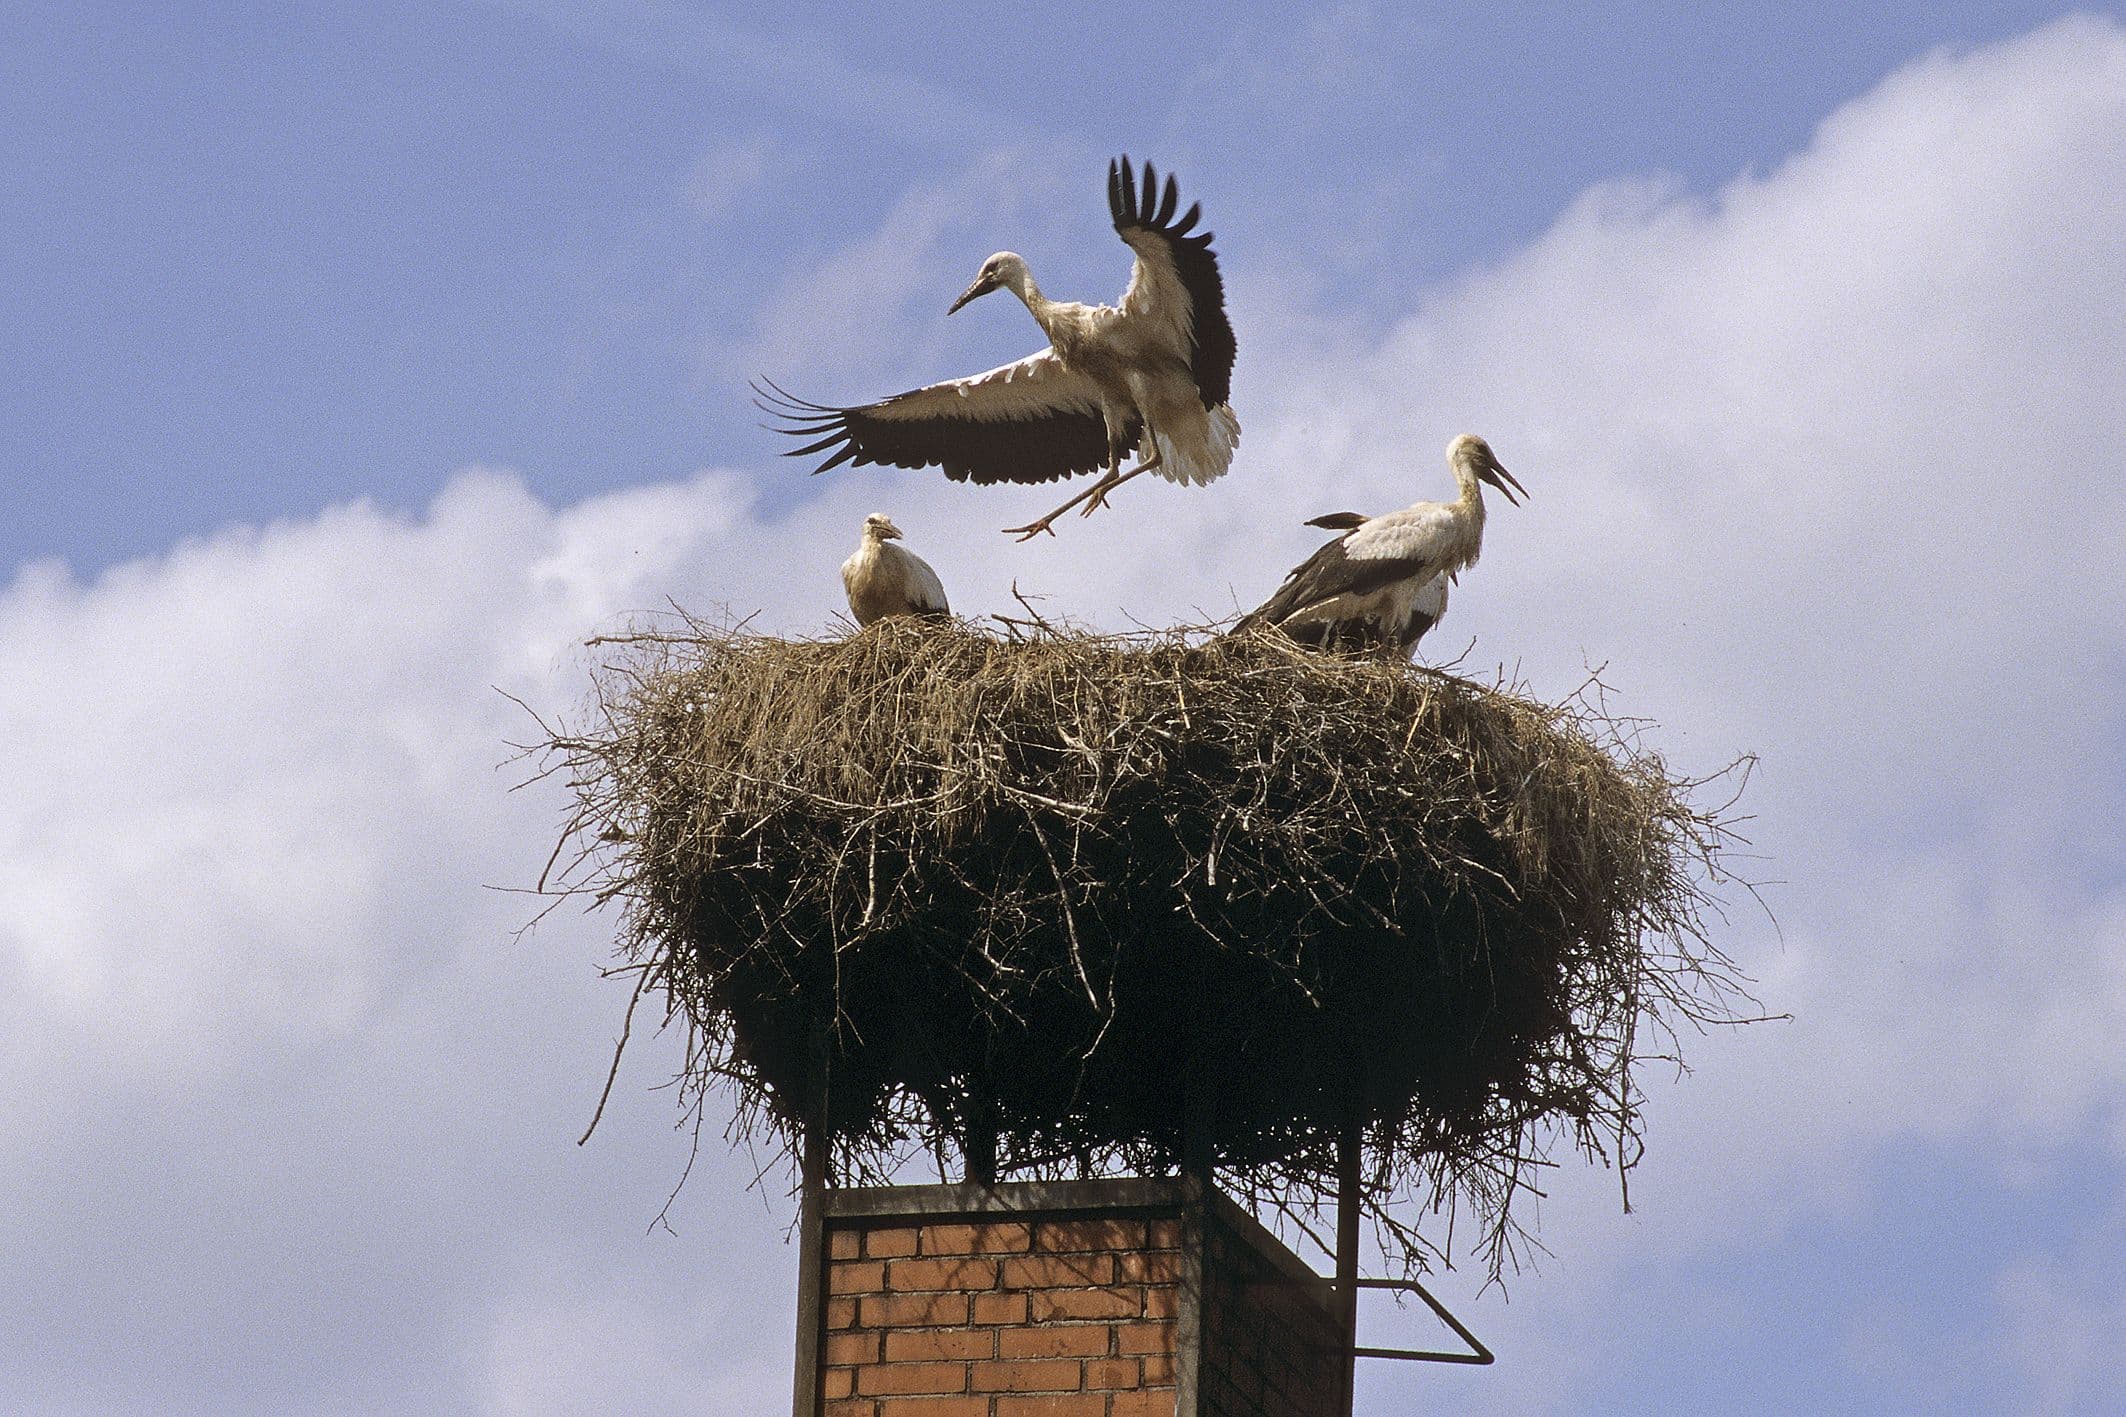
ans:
x=1824 y=466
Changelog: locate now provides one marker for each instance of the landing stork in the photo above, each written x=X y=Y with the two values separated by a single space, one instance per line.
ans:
x=1149 y=377
x=883 y=579
x=1383 y=583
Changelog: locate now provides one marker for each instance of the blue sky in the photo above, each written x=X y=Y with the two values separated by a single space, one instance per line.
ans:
x=362 y=360
x=267 y=257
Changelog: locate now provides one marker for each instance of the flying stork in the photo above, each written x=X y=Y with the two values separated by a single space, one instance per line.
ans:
x=1383 y=583
x=887 y=580
x=1148 y=377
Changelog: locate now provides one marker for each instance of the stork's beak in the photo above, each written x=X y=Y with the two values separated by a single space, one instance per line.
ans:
x=1495 y=473
x=890 y=532
x=1339 y=521
x=983 y=284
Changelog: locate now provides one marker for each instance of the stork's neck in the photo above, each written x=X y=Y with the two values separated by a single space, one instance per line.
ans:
x=1472 y=498
x=1020 y=283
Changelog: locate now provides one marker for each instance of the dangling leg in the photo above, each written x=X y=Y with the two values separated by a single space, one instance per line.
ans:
x=1035 y=528
x=1094 y=496
x=1097 y=498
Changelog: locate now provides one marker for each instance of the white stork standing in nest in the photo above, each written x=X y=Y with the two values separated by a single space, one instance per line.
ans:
x=883 y=579
x=1383 y=583
x=1149 y=376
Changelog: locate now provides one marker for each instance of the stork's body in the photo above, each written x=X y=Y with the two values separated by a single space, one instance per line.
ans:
x=1150 y=375
x=883 y=579
x=1383 y=583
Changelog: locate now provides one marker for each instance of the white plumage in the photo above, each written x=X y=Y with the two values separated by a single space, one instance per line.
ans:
x=883 y=579
x=1383 y=583
x=1150 y=376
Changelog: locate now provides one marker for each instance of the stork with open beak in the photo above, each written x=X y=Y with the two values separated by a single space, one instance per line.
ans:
x=1383 y=583
x=883 y=579
x=1148 y=377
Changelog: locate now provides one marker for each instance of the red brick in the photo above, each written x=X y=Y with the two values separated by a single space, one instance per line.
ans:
x=1062 y=1404
x=844 y=1244
x=1144 y=1338
x=913 y=1310
x=1026 y=1375
x=851 y=1407
x=856 y=1277
x=919 y=1345
x=889 y=1244
x=1153 y=1267
x=935 y=1406
x=1162 y=1303
x=841 y=1313
x=1055 y=1341
x=997 y=1238
x=837 y=1382
x=1111 y=1373
x=1090 y=1235
x=852 y=1348
x=1000 y=1308
x=912 y=1377
x=1144 y=1404
x=1163 y=1234
x=1058 y=1271
x=1050 y=1304
x=1158 y=1368
x=941 y=1274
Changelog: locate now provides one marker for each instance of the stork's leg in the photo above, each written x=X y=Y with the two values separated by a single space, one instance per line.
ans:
x=1034 y=528
x=1097 y=497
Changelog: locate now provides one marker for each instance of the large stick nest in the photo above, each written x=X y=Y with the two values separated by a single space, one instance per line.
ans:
x=1099 y=902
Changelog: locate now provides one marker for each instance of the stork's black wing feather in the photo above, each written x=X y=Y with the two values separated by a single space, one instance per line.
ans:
x=1145 y=219
x=1033 y=421
x=1328 y=573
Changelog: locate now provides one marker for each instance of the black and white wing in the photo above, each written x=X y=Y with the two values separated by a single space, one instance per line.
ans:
x=1176 y=276
x=1426 y=608
x=926 y=593
x=1346 y=573
x=1033 y=421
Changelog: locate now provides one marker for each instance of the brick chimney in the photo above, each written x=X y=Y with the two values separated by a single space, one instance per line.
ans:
x=1118 y=1298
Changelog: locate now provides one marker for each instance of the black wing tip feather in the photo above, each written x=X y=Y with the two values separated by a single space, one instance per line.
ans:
x=1150 y=206
x=802 y=418
x=1152 y=210
x=1068 y=445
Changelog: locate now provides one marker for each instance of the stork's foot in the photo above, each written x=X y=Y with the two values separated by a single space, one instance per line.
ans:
x=1098 y=490
x=1097 y=498
x=1033 y=529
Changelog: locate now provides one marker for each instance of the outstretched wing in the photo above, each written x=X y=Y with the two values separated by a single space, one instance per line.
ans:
x=1033 y=421
x=1176 y=276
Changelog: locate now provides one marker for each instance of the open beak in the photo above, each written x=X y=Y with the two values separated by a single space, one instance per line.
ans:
x=982 y=286
x=1505 y=481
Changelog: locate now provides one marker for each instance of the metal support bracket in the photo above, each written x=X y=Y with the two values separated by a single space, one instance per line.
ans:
x=1477 y=1354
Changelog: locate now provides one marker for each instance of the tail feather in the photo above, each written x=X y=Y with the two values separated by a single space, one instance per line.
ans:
x=1200 y=455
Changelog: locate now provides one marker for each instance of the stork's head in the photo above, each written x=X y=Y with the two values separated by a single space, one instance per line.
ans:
x=1475 y=455
x=1004 y=269
x=879 y=527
